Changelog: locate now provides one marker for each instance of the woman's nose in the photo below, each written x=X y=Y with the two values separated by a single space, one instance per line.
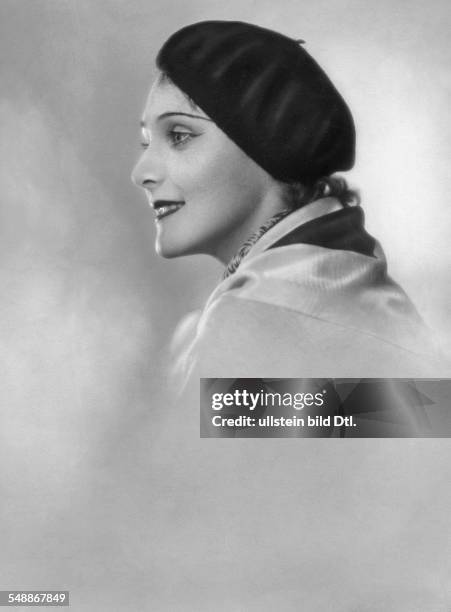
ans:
x=148 y=170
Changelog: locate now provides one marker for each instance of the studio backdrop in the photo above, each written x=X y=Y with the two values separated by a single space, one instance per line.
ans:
x=100 y=494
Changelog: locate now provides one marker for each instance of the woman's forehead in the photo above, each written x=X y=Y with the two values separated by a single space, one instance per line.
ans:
x=165 y=97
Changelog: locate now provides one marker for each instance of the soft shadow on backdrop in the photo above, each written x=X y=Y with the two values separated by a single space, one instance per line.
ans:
x=87 y=308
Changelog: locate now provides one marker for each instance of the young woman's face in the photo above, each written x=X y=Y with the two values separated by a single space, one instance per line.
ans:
x=208 y=195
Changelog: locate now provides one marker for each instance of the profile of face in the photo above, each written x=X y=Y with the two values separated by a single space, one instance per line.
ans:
x=208 y=195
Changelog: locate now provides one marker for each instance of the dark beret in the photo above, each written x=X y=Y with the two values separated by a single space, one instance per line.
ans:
x=267 y=94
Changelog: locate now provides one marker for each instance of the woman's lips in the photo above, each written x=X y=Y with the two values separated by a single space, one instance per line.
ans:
x=163 y=208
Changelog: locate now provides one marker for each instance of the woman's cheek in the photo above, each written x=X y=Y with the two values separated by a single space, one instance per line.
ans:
x=186 y=176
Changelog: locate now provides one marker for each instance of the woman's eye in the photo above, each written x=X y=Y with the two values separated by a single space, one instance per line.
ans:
x=144 y=145
x=178 y=137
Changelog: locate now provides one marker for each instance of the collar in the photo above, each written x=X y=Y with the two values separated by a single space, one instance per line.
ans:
x=341 y=230
x=307 y=213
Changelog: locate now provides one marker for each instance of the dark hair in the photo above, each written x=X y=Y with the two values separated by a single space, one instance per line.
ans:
x=296 y=194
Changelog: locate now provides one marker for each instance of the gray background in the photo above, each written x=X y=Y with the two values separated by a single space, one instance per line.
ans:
x=98 y=491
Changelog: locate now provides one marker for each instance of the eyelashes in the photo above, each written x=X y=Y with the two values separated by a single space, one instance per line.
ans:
x=177 y=138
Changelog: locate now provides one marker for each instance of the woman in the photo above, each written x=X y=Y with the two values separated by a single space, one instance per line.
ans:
x=242 y=131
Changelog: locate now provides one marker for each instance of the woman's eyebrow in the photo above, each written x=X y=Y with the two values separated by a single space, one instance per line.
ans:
x=172 y=114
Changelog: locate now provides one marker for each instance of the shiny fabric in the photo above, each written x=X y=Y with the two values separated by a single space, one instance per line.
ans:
x=342 y=229
x=303 y=310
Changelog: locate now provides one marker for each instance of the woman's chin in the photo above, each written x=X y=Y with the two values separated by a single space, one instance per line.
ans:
x=172 y=251
x=169 y=251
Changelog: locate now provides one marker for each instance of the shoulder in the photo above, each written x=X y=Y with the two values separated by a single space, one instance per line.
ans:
x=241 y=337
x=307 y=311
